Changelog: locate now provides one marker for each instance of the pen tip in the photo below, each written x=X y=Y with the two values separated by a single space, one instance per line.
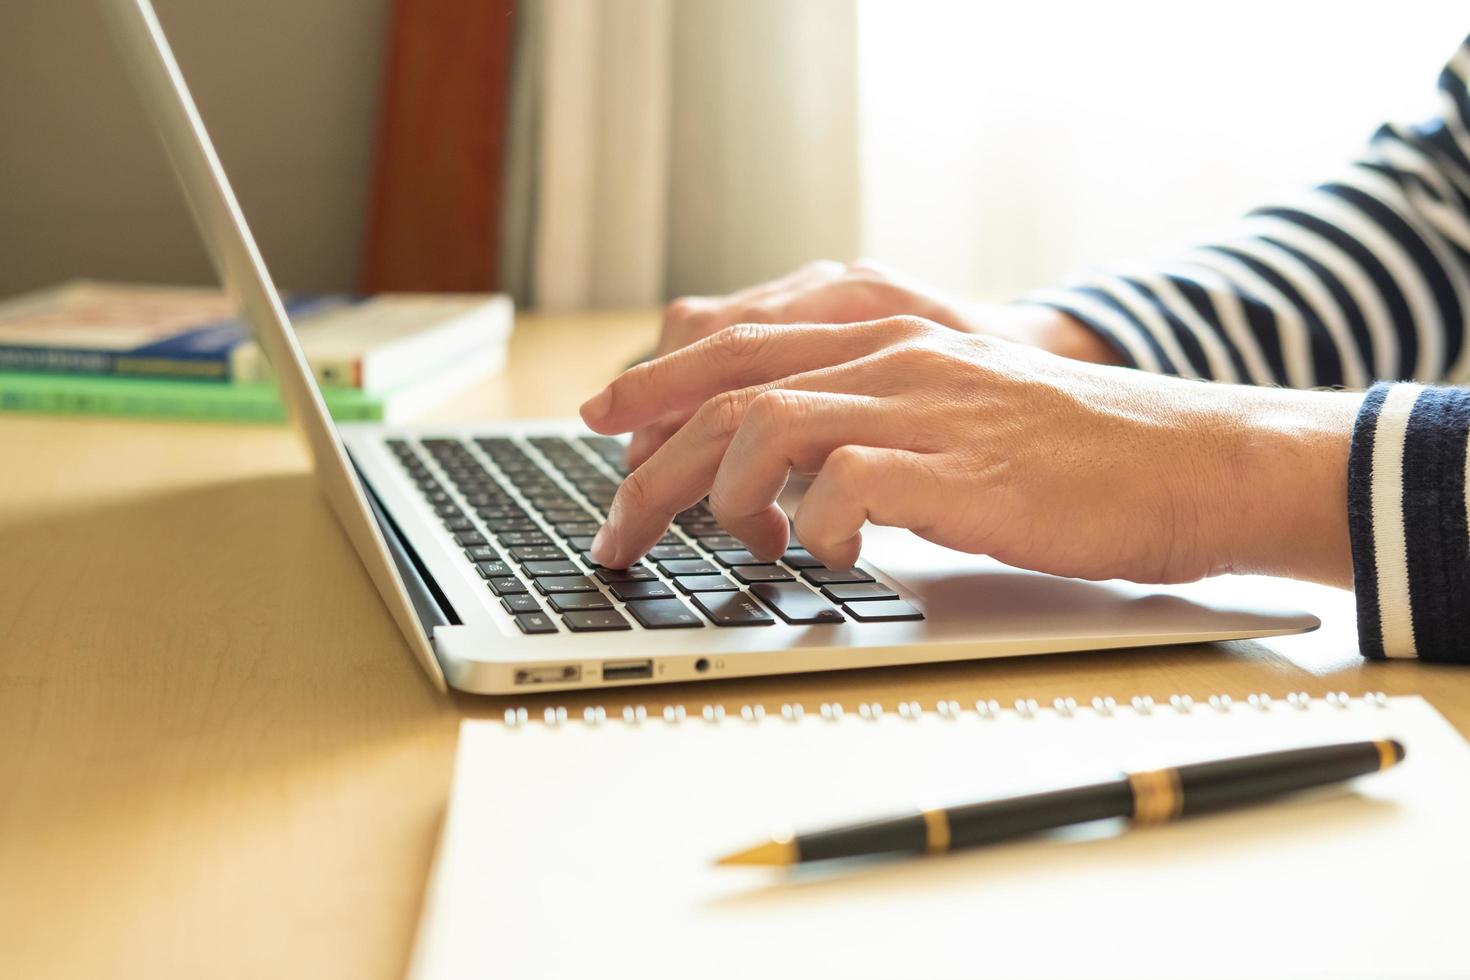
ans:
x=775 y=852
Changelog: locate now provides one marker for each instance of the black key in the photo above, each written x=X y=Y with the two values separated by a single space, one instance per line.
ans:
x=459 y=524
x=835 y=576
x=468 y=539
x=579 y=600
x=858 y=591
x=537 y=552
x=582 y=542
x=550 y=501
x=738 y=556
x=510 y=585
x=448 y=510
x=536 y=622
x=520 y=604
x=565 y=515
x=801 y=558
x=664 y=614
x=494 y=569
x=514 y=539
x=481 y=552
x=511 y=524
x=638 y=573
x=596 y=622
x=688 y=566
x=704 y=583
x=670 y=552
x=762 y=573
x=699 y=512
x=629 y=591
x=536 y=569
x=796 y=603
x=565 y=584
x=716 y=541
x=578 y=529
x=732 y=609
x=704 y=529
x=883 y=611
x=587 y=559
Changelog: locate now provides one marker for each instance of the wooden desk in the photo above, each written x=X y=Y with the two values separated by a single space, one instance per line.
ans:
x=216 y=757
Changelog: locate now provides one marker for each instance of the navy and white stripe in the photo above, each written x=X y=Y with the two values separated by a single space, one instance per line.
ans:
x=1365 y=277
x=1409 y=521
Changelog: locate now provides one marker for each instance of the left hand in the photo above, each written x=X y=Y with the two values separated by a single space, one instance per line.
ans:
x=983 y=446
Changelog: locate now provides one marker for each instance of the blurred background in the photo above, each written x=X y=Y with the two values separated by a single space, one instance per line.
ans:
x=587 y=154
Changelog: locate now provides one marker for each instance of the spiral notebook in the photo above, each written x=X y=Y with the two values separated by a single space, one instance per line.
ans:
x=583 y=847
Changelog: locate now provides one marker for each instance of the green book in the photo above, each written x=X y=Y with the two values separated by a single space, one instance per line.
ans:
x=78 y=394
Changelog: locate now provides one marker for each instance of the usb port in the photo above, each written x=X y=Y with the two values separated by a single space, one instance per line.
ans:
x=627 y=670
x=550 y=674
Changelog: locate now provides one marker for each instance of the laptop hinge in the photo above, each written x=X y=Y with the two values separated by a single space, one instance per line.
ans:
x=430 y=604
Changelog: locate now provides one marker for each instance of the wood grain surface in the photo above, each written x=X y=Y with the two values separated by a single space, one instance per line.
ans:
x=218 y=759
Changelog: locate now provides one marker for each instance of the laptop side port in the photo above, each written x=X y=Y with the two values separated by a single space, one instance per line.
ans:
x=550 y=674
x=627 y=670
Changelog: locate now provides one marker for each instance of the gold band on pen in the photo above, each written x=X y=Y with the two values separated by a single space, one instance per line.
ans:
x=1156 y=796
x=936 y=831
x=1387 y=755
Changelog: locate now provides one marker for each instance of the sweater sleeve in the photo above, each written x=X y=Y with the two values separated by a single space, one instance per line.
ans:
x=1408 y=511
x=1365 y=277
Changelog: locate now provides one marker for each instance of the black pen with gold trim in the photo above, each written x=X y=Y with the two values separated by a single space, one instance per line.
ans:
x=1150 y=797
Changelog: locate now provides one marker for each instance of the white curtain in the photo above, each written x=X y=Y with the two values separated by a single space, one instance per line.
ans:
x=663 y=147
x=666 y=147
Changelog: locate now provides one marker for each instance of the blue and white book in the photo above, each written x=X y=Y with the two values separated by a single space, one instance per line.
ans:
x=373 y=343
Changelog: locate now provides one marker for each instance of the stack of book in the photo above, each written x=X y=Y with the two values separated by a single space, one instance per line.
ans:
x=113 y=349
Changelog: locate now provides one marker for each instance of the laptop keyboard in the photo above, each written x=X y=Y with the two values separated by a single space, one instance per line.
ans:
x=524 y=513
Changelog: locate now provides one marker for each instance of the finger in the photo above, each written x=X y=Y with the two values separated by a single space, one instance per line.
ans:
x=859 y=484
x=693 y=318
x=739 y=357
x=681 y=471
x=645 y=441
x=786 y=429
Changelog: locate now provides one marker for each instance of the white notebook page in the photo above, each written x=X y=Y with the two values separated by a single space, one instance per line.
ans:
x=583 y=850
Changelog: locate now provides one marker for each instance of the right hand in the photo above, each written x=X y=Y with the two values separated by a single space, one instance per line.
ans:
x=985 y=447
x=854 y=292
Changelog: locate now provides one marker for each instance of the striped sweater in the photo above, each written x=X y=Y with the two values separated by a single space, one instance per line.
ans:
x=1363 y=282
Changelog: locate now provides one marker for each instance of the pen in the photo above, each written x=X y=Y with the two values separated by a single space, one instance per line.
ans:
x=1150 y=797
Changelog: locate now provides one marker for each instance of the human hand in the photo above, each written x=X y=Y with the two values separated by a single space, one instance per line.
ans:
x=983 y=446
x=854 y=292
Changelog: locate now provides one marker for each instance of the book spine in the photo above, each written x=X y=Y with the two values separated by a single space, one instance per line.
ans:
x=181 y=400
x=57 y=360
x=248 y=363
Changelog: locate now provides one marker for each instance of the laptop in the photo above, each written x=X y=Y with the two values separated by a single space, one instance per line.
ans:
x=477 y=536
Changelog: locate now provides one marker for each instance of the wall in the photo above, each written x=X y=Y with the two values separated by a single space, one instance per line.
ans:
x=288 y=89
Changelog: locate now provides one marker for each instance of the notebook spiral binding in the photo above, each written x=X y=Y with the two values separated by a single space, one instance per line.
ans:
x=953 y=710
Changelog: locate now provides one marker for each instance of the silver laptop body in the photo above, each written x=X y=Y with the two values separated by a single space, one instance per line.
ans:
x=468 y=530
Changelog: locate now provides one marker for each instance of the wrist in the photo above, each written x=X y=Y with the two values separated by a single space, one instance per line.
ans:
x=1045 y=328
x=1287 y=466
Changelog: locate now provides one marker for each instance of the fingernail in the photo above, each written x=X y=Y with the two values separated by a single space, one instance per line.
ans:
x=597 y=406
x=602 y=546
